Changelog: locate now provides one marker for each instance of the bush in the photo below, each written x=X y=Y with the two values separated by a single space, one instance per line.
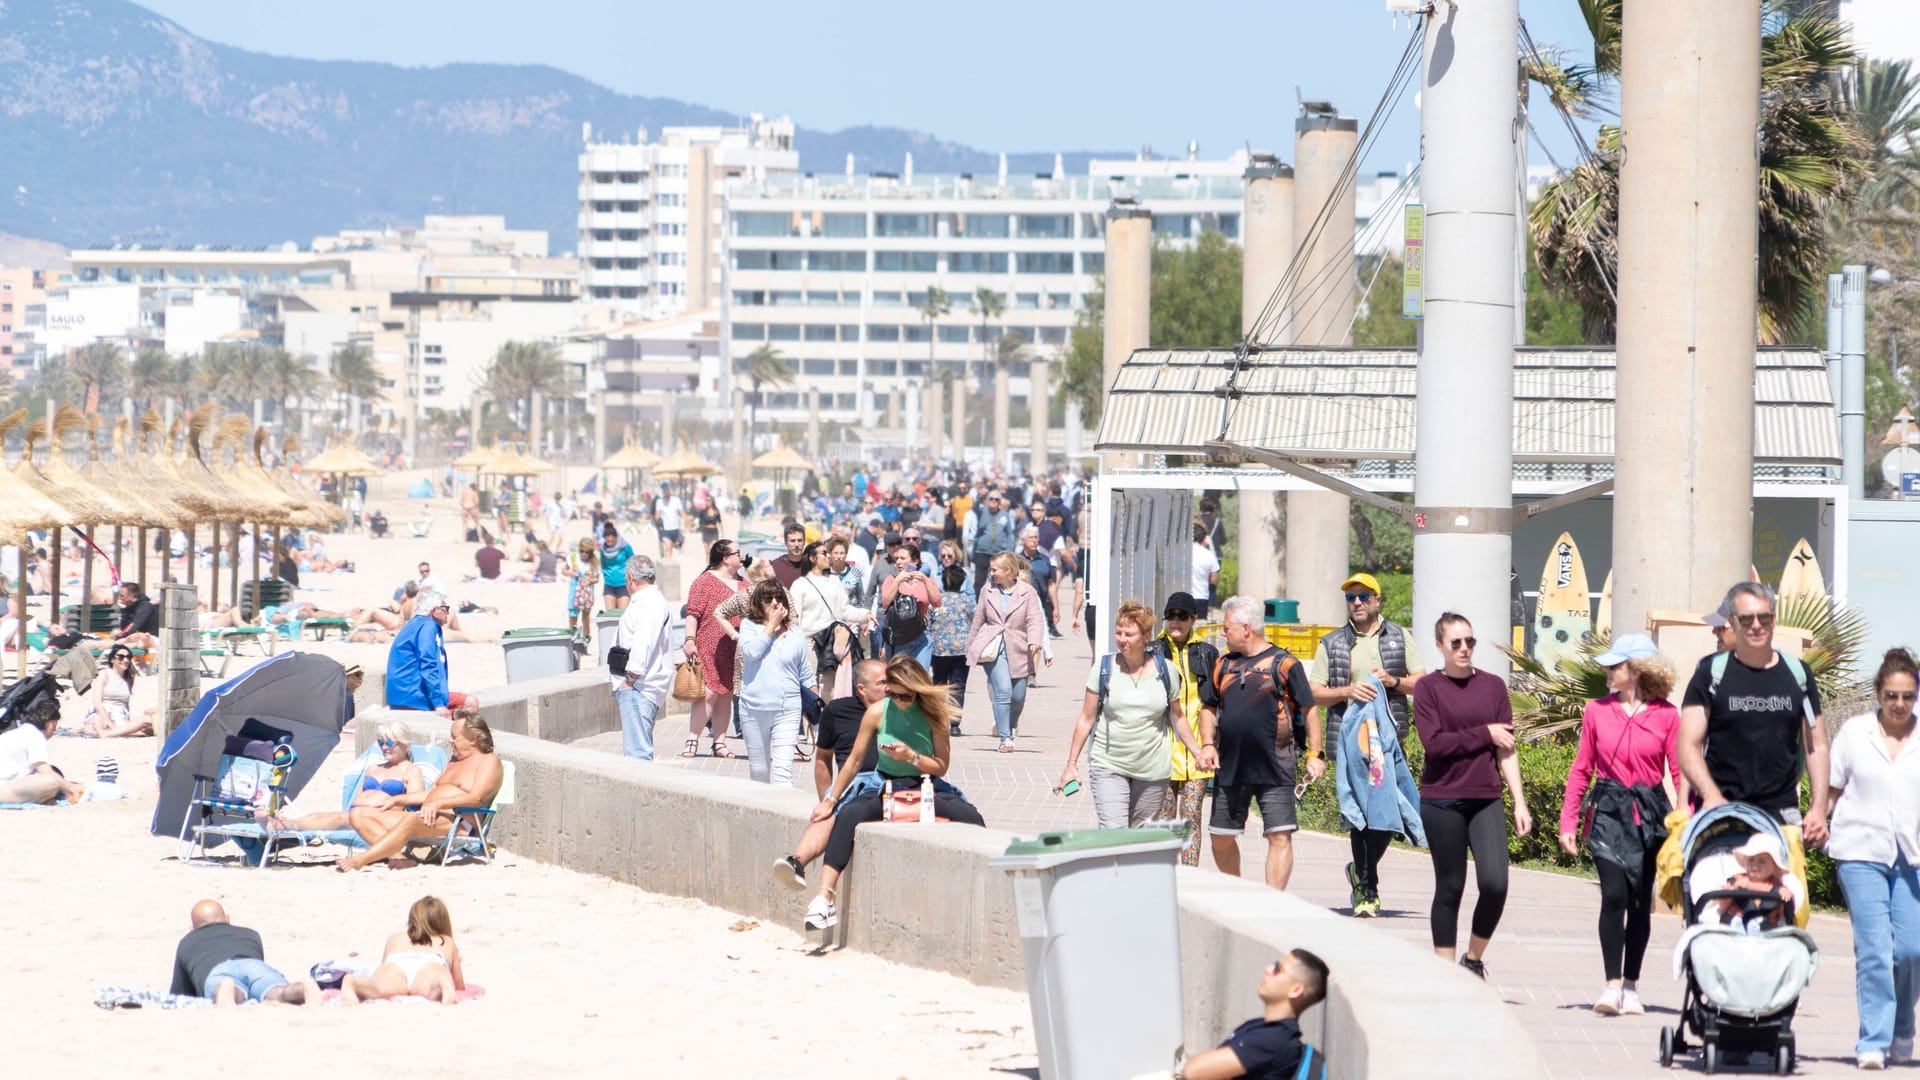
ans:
x=1543 y=776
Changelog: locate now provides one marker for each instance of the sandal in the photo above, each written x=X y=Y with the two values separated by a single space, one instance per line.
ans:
x=801 y=755
x=692 y=749
x=720 y=749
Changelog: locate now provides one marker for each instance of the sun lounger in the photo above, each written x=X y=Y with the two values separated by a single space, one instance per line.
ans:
x=432 y=760
x=320 y=627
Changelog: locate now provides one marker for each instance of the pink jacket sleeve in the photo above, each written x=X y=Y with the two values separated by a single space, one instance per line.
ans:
x=1672 y=717
x=1581 y=774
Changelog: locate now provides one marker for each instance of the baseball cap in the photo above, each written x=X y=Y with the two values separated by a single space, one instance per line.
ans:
x=1367 y=581
x=1181 y=602
x=1056 y=506
x=1721 y=616
x=1627 y=647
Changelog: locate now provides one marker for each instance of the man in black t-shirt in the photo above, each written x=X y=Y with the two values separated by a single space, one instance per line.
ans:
x=227 y=963
x=139 y=618
x=1268 y=1048
x=1247 y=712
x=839 y=727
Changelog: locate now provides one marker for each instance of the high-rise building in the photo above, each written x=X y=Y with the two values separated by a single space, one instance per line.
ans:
x=650 y=210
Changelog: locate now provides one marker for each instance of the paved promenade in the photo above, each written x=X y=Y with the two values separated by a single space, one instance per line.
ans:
x=1545 y=958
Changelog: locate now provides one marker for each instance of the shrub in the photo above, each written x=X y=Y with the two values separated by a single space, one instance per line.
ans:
x=1543 y=776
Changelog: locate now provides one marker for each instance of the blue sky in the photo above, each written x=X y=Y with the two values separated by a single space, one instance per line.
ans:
x=997 y=75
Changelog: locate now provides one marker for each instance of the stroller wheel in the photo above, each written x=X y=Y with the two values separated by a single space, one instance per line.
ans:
x=1710 y=1059
x=1783 y=1059
x=1666 y=1047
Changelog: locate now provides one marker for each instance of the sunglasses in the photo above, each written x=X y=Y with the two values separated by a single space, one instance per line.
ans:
x=1464 y=642
x=1764 y=618
x=1358 y=597
x=386 y=744
x=1179 y=616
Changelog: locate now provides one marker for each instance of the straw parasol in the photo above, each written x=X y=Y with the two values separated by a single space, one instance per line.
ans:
x=22 y=506
x=632 y=458
x=782 y=458
x=343 y=460
x=684 y=464
x=81 y=502
x=328 y=515
x=150 y=505
x=512 y=461
x=476 y=459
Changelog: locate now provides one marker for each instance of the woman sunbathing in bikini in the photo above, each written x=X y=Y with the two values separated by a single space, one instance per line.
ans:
x=391 y=782
x=423 y=961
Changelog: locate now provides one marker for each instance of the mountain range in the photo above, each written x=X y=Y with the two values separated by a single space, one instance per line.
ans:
x=119 y=125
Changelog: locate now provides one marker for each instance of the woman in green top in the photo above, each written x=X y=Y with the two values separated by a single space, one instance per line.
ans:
x=910 y=725
x=1133 y=753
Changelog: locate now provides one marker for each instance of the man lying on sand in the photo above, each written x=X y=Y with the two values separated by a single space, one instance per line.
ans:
x=472 y=778
x=227 y=963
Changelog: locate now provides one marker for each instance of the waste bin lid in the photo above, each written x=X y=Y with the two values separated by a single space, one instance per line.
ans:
x=535 y=632
x=1050 y=849
x=610 y=616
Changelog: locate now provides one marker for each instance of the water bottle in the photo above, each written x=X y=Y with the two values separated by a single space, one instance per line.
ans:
x=886 y=801
x=926 y=800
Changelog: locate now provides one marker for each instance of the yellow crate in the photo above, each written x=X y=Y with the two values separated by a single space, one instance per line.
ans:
x=1300 y=639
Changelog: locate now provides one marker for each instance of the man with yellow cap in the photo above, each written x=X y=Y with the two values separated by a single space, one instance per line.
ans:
x=1341 y=663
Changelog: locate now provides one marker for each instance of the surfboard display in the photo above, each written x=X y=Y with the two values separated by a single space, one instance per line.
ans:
x=1565 y=613
x=1603 y=618
x=1802 y=575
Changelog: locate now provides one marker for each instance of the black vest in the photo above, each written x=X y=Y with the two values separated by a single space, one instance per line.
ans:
x=1393 y=659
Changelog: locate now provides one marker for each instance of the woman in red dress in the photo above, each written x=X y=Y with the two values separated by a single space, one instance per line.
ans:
x=709 y=639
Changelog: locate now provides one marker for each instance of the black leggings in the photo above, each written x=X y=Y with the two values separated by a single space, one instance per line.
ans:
x=1368 y=846
x=858 y=812
x=1480 y=824
x=952 y=671
x=1626 y=917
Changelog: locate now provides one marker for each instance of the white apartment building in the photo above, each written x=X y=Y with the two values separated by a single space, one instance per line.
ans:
x=830 y=272
x=650 y=237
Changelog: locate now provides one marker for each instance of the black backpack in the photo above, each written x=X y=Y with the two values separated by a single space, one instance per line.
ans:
x=904 y=621
x=15 y=700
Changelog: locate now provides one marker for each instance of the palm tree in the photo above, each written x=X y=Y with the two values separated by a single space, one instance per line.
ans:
x=1811 y=159
x=765 y=367
x=355 y=379
x=101 y=369
x=289 y=380
x=937 y=304
x=521 y=369
x=1006 y=352
x=150 y=376
x=1887 y=110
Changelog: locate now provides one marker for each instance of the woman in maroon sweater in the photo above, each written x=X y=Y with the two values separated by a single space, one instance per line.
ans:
x=1466 y=725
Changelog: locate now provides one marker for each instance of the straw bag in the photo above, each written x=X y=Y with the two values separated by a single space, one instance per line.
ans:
x=689 y=681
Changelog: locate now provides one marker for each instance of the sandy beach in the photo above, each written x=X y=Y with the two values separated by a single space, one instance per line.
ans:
x=583 y=976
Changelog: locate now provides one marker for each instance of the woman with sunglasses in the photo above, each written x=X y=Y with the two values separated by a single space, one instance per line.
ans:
x=392 y=779
x=1615 y=800
x=776 y=661
x=1874 y=804
x=110 y=710
x=1466 y=725
x=952 y=555
x=910 y=727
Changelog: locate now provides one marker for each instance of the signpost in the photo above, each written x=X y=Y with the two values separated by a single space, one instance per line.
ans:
x=1413 y=266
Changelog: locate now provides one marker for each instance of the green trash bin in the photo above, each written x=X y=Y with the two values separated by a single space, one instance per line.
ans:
x=1286 y=612
x=1099 y=929
x=535 y=652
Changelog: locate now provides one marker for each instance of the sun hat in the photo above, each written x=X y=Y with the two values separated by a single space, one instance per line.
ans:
x=1628 y=647
x=1762 y=844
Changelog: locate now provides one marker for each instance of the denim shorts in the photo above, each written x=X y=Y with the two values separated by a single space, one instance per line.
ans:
x=253 y=977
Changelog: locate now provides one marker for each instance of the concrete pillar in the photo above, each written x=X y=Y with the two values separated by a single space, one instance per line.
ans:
x=179 y=657
x=1002 y=413
x=1683 y=427
x=1129 y=262
x=535 y=406
x=931 y=412
x=667 y=434
x=1324 y=294
x=702 y=214
x=1266 y=226
x=1836 y=284
x=813 y=423
x=1853 y=380
x=893 y=409
x=600 y=429
x=958 y=389
x=737 y=445
x=1463 y=454
x=1075 y=424
x=1039 y=404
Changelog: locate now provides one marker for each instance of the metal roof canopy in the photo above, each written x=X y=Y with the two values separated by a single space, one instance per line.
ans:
x=1348 y=405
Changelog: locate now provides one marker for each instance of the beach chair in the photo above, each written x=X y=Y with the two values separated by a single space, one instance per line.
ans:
x=421 y=527
x=236 y=637
x=477 y=843
x=320 y=626
x=211 y=647
x=431 y=759
x=251 y=779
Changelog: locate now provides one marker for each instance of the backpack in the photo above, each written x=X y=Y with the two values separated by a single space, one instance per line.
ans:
x=1282 y=670
x=1106 y=676
x=16 y=699
x=1717 y=669
x=904 y=621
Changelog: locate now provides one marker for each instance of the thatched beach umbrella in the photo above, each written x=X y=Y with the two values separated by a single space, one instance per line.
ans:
x=228 y=504
x=327 y=515
x=684 y=464
x=23 y=508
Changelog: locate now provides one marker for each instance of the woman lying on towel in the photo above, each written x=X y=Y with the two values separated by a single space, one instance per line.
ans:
x=423 y=961
x=392 y=781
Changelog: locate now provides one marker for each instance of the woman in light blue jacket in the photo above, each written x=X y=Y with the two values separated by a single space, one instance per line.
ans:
x=776 y=662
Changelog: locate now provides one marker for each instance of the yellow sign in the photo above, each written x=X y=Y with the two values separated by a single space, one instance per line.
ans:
x=1413 y=263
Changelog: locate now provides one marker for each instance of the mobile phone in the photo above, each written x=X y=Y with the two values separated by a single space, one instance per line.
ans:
x=1071 y=787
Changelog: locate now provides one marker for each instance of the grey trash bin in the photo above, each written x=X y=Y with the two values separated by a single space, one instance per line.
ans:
x=535 y=652
x=603 y=624
x=1099 y=929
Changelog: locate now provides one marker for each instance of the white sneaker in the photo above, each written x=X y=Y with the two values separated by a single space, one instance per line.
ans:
x=1608 y=1003
x=1630 y=1002
x=1872 y=1059
x=821 y=914
x=1902 y=1051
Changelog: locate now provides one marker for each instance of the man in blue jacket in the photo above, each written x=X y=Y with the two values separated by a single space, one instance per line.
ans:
x=417 y=661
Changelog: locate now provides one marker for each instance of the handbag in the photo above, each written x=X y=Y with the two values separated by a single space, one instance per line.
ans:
x=991 y=650
x=812 y=705
x=689 y=681
x=617 y=659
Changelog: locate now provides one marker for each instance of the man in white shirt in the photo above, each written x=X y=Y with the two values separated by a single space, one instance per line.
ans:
x=1206 y=569
x=428 y=582
x=26 y=776
x=669 y=510
x=645 y=632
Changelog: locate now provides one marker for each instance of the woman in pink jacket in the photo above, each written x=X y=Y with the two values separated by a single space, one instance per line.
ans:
x=1008 y=628
x=1616 y=801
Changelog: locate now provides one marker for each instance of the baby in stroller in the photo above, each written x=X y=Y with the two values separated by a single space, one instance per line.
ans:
x=1763 y=871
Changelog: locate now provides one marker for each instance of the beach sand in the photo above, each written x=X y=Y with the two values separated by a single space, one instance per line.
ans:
x=584 y=976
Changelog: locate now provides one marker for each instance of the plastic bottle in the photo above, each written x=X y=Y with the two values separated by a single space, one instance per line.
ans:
x=926 y=800
x=886 y=801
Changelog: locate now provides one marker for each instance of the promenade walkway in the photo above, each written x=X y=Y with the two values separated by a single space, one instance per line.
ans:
x=1544 y=960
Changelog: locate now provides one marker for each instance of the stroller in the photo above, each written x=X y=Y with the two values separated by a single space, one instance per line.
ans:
x=1742 y=984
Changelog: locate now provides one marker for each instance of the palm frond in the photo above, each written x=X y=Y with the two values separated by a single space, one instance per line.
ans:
x=1549 y=703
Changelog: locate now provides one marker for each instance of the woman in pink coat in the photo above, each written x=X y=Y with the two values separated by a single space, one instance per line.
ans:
x=1008 y=628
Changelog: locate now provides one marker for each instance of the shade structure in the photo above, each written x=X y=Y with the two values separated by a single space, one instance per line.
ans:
x=146 y=502
x=22 y=507
x=783 y=459
x=301 y=696
x=684 y=464
x=635 y=458
x=516 y=462
x=477 y=458
x=343 y=460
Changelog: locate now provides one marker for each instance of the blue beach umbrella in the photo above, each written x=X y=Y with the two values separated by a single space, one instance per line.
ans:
x=296 y=696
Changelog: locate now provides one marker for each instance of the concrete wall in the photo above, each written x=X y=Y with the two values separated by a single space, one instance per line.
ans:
x=925 y=896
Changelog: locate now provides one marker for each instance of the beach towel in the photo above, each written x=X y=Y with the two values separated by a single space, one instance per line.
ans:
x=135 y=997
x=23 y=806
